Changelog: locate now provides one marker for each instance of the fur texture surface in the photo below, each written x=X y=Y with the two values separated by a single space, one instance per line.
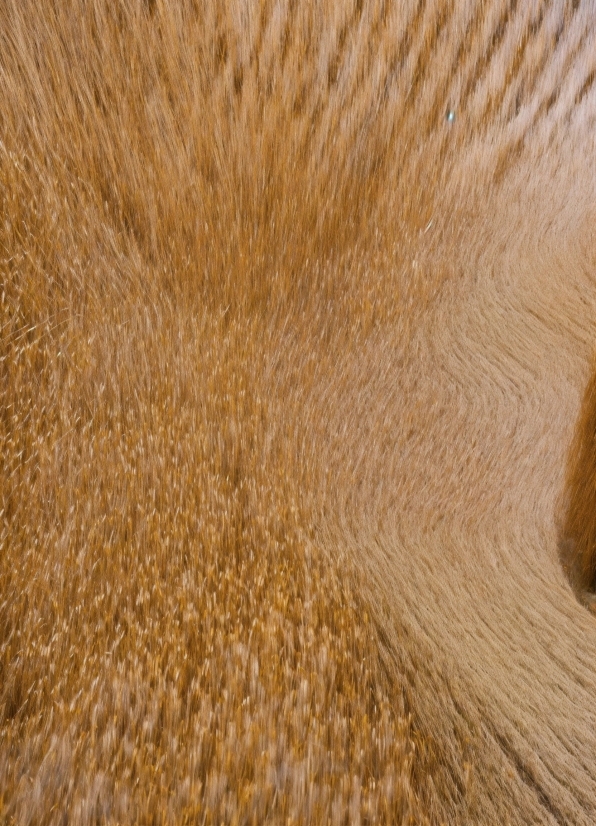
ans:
x=298 y=309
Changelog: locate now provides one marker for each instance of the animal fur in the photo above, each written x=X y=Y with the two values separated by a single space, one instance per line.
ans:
x=298 y=311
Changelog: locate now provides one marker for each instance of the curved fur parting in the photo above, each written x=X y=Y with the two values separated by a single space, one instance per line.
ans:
x=453 y=528
x=578 y=532
x=455 y=427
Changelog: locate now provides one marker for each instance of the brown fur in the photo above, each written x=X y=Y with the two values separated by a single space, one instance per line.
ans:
x=578 y=510
x=297 y=484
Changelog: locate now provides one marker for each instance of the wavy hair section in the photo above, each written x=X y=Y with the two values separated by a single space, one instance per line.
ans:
x=297 y=306
x=578 y=536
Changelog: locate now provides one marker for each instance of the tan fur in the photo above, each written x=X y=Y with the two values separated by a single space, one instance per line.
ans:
x=297 y=484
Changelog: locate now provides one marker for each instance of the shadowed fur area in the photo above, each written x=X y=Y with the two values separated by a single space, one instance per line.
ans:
x=297 y=490
x=578 y=508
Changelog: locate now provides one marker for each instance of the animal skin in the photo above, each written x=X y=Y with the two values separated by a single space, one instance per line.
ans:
x=387 y=210
x=472 y=512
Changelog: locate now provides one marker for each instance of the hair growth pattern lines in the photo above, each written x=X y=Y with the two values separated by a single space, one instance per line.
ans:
x=297 y=412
